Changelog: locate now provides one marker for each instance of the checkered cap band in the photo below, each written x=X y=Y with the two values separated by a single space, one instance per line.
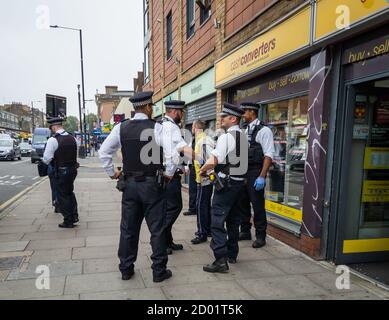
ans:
x=142 y=103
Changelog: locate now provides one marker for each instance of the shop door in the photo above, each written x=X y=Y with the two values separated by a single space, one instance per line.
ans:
x=363 y=205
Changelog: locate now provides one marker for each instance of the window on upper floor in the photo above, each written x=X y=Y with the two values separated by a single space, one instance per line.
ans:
x=190 y=18
x=169 y=35
x=146 y=17
x=205 y=10
x=147 y=63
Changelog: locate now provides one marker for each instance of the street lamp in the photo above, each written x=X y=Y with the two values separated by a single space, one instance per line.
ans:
x=82 y=67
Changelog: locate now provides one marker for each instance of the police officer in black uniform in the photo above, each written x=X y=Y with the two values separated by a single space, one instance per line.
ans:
x=61 y=154
x=227 y=203
x=261 y=150
x=170 y=123
x=143 y=145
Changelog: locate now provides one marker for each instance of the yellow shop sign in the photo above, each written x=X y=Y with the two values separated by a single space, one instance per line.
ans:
x=268 y=47
x=337 y=15
x=375 y=191
x=284 y=211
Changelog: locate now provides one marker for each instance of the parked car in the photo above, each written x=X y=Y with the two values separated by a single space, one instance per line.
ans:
x=25 y=149
x=39 y=140
x=9 y=150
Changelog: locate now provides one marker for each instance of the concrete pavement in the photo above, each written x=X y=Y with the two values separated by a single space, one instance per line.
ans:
x=83 y=262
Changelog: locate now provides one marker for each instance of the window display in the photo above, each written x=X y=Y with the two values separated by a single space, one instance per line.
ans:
x=288 y=120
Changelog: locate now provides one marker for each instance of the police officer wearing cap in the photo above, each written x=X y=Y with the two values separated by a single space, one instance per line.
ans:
x=227 y=203
x=261 y=150
x=143 y=146
x=171 y=129
x=61 y=155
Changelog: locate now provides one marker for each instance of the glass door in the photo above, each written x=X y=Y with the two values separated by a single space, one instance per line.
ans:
x=363 y=210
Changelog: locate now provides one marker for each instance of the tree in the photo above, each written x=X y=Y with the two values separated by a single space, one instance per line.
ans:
x=91 y=121
x=71 y=124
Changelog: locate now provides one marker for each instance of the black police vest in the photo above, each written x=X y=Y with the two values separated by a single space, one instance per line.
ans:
x=66 y=154
x=232 y=159
x=255 y=154
x=135 y=158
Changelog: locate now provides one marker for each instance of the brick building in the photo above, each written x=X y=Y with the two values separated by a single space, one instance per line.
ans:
x=302 y=61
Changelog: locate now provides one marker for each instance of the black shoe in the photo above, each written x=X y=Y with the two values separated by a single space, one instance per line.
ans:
x=176 y=247
x=166 y=275
x=259 y=243
x=190 y=213
x=244 y=236
x=220 y=266
x=76 y=220
x=232 y=260
x=66 y=226
x=169 y=251
x=127 y=275
x=198 y=240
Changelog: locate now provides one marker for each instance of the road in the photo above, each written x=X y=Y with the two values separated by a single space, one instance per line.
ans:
x=15 y=176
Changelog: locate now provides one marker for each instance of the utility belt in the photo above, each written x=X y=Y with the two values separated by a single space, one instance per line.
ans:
x=141 y=176
x=223 y=181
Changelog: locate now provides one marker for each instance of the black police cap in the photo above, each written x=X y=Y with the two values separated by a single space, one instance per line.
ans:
x=141 y=99
x=231 y=110
x=250 y=106
x=175 y=104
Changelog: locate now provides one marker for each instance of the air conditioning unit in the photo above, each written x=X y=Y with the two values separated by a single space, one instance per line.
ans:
x=204 y=4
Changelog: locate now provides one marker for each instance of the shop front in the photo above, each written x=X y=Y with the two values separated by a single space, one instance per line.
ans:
x=360 y=232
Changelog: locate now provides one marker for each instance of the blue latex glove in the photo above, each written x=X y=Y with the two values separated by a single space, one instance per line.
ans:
x=260 y=184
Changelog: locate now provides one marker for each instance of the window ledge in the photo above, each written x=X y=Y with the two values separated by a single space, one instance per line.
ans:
x=191 y=37
x=206 y=20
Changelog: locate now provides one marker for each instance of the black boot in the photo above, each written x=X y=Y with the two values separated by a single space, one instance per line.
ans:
x=259 y=243
x=176 y=247
x=66 y=225
x=244 y=236
x=127 y=275
x=219 y=266
x=198 y=240
x=162 y=277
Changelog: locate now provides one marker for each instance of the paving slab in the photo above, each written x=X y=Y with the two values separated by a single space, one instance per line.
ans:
x=290 y=286
x=50 y=235
x=56 y=244
x=181 y=275
x=100 y=282
x=297 y=266
x=57 y=269
x=11 y=237
x=13 y=246
x=221 y=290
x=133 y=294
x=25 y=289
x=94 y=252
x=17 y=229
x=101 y=241
x=51 y=255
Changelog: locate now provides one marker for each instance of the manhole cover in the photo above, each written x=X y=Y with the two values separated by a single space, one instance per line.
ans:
x=10 y=263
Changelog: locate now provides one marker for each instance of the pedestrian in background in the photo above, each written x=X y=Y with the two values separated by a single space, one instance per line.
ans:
x=191 y=173
x=203 y=147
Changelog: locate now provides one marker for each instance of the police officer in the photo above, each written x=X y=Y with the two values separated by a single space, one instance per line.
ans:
x=143 y=145
x=61 y=155
x=261 y=150
x=171 y=129
x=227 y=203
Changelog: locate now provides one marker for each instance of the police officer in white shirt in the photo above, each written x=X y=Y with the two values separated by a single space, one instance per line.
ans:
x=143 y=194
x=171 y=129
x=261 y=150
x=227 y=205
x=61 y=154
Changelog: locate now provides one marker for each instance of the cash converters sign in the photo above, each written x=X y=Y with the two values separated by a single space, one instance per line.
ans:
x=289 y=36
x=337 y=15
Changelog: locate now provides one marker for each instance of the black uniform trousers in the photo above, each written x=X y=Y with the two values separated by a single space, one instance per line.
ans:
x=142 y=200
x=227 y=207
x=257 y=200
x=204 y=195
x=64 y=186
x=192 y=189
x=173 y=206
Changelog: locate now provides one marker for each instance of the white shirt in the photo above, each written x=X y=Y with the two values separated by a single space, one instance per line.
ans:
x=171 y=131
x=264 y=138
x=225 y=144
x=52 y=146
x=112 y=144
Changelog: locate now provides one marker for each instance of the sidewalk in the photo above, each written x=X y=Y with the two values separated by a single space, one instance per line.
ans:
x=83 y=261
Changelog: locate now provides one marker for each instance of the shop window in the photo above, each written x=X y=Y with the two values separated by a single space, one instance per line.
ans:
x=288 y=120
x=147 y=64
x=169 y=36
x=146 y=17
x=190 y=18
